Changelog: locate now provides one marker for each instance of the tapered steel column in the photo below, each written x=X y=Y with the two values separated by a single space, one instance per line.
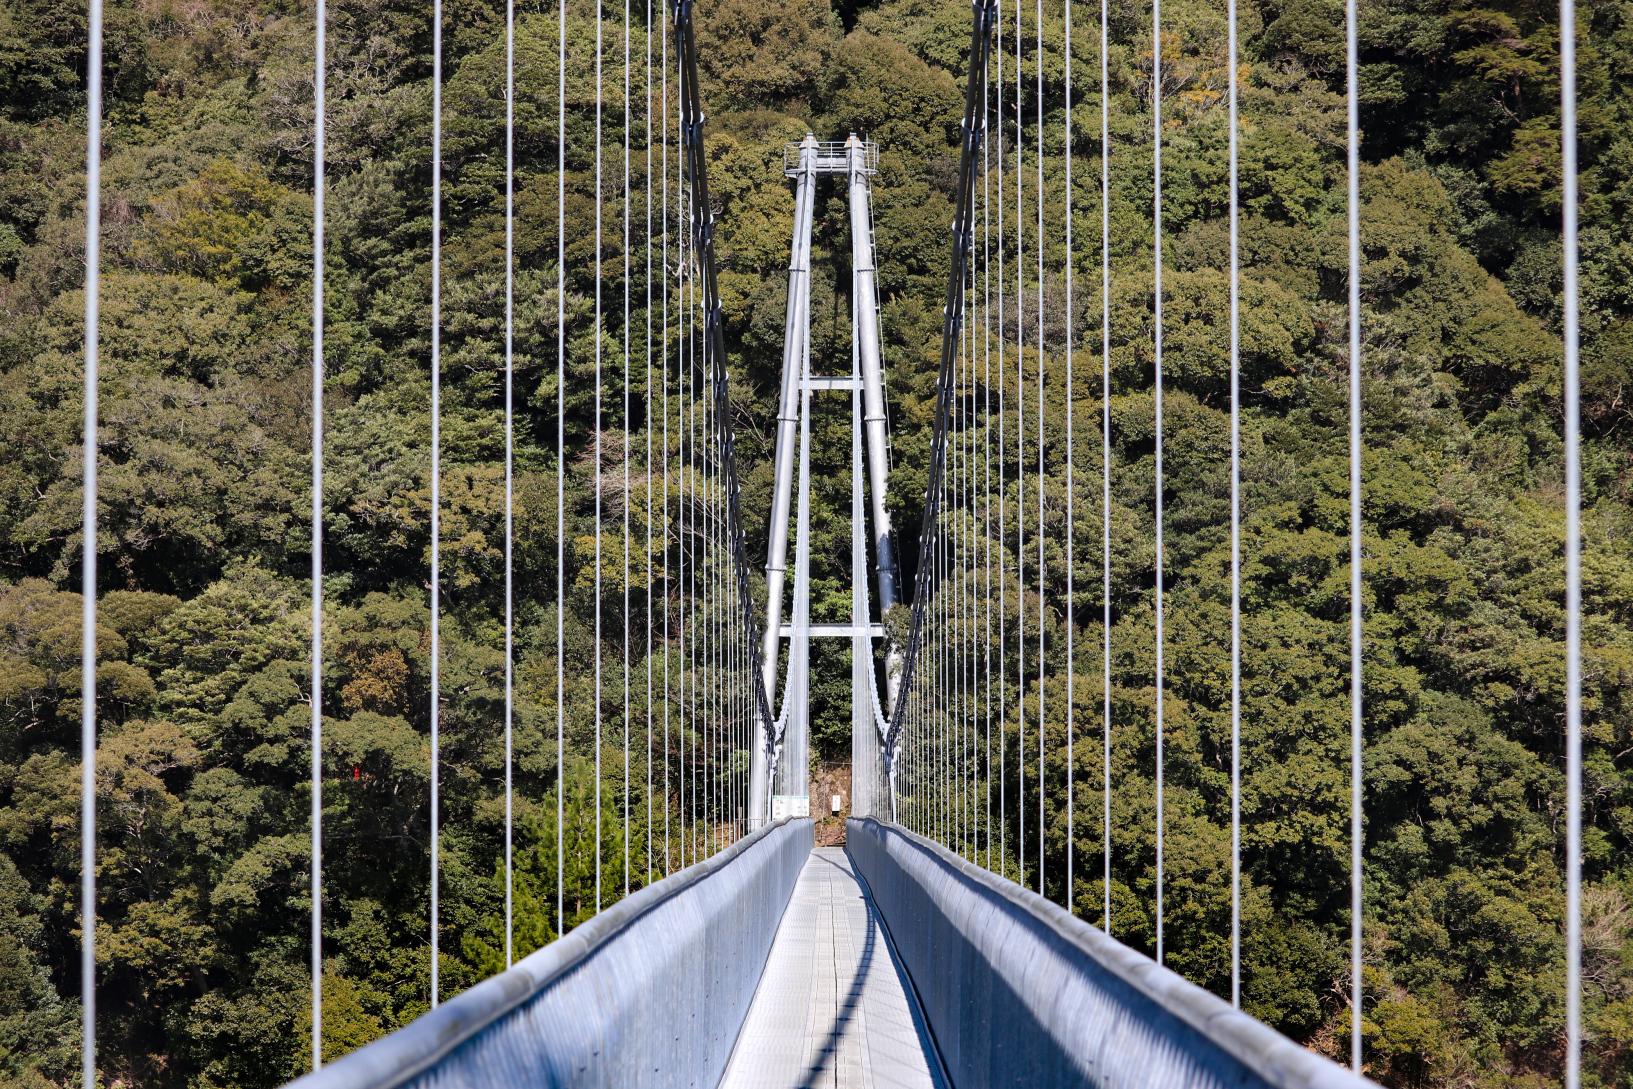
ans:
x=865 y=288
x=796 y=342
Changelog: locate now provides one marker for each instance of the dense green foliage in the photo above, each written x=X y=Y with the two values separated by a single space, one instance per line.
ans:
x=203 y=682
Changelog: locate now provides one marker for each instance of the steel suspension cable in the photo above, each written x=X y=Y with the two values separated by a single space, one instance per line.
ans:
x=561 y=465
x=596 y=455
x=956 y=577
x=1235 y=532
x=1003 y=486
x=961 y=583
x=628 y=423
x=1156 y=266
x=510 y=470
x=1353 y=209
x=967 y=573
x=711 y=690
x=1071 y=484
x=684 y=502
x=986 y=443
x=713 y=336
x=1038 y=199
x=436 y=484
x=689 y=547
x=646 y=468
x=319 y=105
x=1020 y=463
x=668 y=805
x=1105 y=474
x=972 y=132
x=90 y=452
x=949 y=634
x=1573 y=549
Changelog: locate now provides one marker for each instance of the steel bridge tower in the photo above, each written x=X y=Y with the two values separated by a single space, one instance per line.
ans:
x=780 y=762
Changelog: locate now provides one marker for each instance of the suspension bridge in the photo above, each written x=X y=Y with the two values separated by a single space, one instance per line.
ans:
x=906 y=957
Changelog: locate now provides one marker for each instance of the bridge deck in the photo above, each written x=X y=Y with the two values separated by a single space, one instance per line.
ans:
x=833 y=1009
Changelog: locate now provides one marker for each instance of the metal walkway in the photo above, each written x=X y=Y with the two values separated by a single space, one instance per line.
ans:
x=833 y=1008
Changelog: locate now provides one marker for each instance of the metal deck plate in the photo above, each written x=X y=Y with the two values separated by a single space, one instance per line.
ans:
x=832 y=1009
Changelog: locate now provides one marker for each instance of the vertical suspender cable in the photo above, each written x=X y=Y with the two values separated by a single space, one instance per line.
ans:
x=955 y=548
x=1235 y=536
x=1043 y=730
x=318 y=105
x=713 y=336
x=663 y=343
x=687 y=629
x=1071 y=485
x=626 y=447
x=961 y=554
x=596 y=482
x=1353 y=201
x=1003 y=487
x=1573 y=554
x=692 y=736
x=971 y=587
x=1156 y=245
x=90 y=451
x=663 y=169
x=948 y=595
x=682 y=483
x=709 y=644
x=971 y=134
x=436 y=476
x=561 y=465
x=1020 y=465
x=986 y=444
x=646 y=231
x=1105 y=477
x=510 y=472
x=717 y=689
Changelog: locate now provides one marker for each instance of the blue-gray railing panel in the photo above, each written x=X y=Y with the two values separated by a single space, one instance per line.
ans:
x=651 y=992
x=1018 y=992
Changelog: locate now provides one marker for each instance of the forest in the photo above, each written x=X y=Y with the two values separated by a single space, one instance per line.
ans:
x=203 y=681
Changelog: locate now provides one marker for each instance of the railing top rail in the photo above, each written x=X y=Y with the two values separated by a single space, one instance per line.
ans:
x=416 y=1047
x=1273 y=1057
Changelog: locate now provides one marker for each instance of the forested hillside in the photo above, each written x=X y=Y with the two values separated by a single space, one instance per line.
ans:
x=204 y=687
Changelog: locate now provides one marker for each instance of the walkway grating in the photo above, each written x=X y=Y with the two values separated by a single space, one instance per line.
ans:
x=833 y=1010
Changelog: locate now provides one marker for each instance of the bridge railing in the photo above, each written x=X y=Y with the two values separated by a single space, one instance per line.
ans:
x=652 y=991
x=1017 y=991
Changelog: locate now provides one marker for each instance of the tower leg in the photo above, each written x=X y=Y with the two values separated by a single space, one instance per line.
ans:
x=866 y=292
x=796 y=338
